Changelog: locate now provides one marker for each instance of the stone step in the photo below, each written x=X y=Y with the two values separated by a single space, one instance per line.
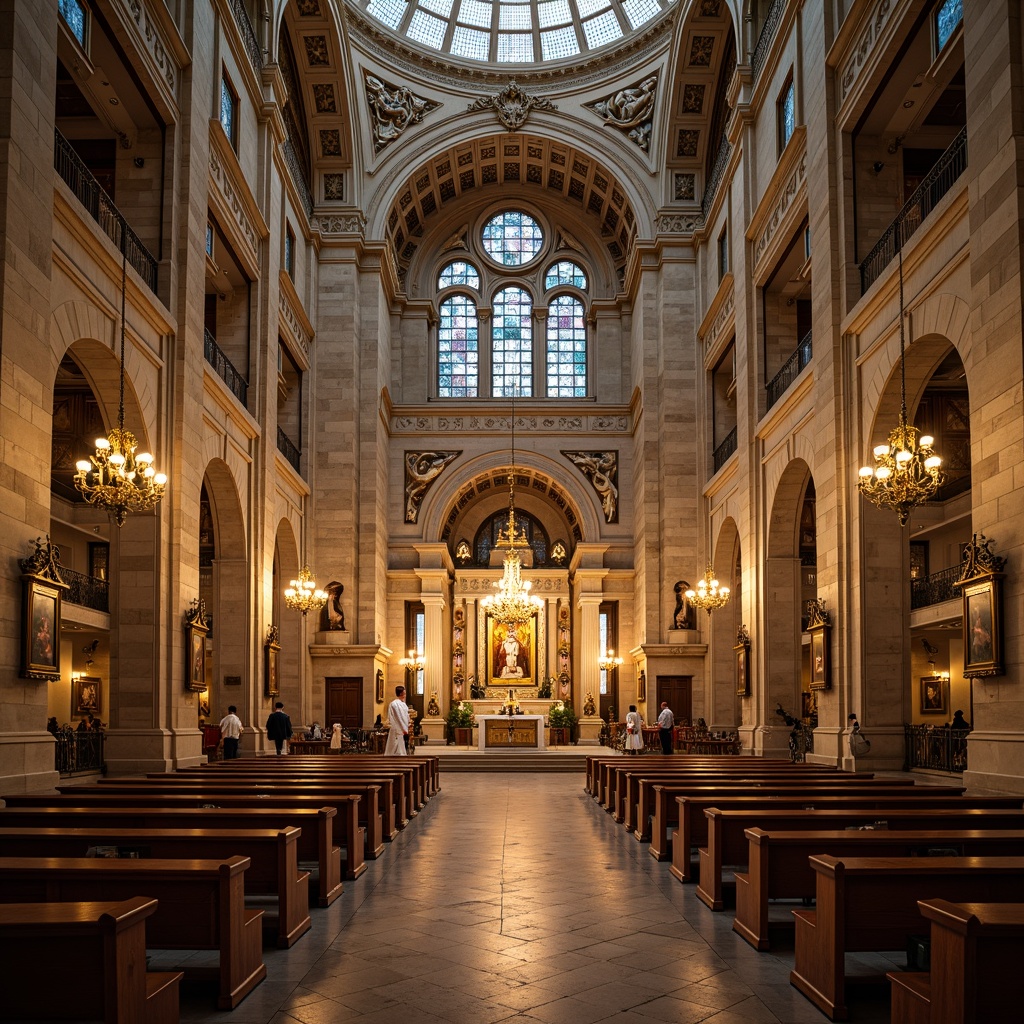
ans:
x=540 y=761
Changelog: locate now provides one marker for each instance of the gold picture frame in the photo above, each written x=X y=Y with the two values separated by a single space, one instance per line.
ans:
x=983 y=628
x=197 y=629
x=41 y=590
x=742 y=669
x=86 y=695
x=512 y=653
x=271 y=650
x=819 y=626
x=934 y=695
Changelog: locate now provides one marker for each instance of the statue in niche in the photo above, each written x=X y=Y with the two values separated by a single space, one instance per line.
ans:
x=332 y=616
x=392 y=110
x=421 y=470
x=685 y=616
x=602 y=470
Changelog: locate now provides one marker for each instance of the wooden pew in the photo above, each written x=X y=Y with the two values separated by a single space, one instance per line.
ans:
x=976 y=955
x=870 y=904
x=83 y=961
x=316 y=839
x=692 y=823
x=273 y=854
x=200 y=905
x=779 y=862
x=738 y=815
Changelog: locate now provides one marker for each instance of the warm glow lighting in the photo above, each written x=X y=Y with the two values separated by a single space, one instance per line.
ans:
x=303 y=595
x=709 y=595
x=607 y=661
x=414 y=662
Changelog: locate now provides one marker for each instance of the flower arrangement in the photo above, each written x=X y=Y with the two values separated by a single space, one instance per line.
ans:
x=460 y=715
x=561 y=715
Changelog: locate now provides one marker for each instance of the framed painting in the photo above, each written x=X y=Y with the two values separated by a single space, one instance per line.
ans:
x=512 y=652
x=271 y=651
x=819 y=626
x=197 y=629
x=934 y=695
x=982 y=636
x=379 y=686
x=742 y=669
x=641 y=686
x=85 y=695
x=41 y=640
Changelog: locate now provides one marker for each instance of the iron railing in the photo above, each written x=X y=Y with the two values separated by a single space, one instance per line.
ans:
x=938 y=747
x=91 y=194
x=791 y=369
x=939 y=586
x=288 y=449
x=87 y=591
x=725 y=449
x=715 y=178
x=939 y=180
x=252 y=44
x=766 y=36
x=77 y=751
x=236 y=383
x=291 y=158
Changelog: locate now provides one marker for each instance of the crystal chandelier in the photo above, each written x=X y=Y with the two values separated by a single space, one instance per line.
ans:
x=607 y=661
x=907 y=471
x=303 y=595
x=414 y=662
x=709 y=595
x=512 y=605
x=116 y=478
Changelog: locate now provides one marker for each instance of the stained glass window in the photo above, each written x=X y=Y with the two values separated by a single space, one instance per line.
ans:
x=565 y=272
x=947 y=19
x=512 y=344
x=458 y=351
x=787 y=113
x=73 y=14
x=512 y=238
x=459 y=272
x=567 y=348
x=229 y=110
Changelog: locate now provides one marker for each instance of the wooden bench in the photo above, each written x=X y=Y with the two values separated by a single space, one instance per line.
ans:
x=316 y=839
x=868 y=904
x=779 y=867
x=200 y=905
x=273 y=854
x=692 y=824
x=83 y=962
x=976 y=955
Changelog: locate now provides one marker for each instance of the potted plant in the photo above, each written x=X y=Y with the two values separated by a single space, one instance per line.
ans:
x=562 y=720
x=460 y=721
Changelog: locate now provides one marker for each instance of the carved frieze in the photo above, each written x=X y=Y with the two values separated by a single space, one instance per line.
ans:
x=631 y=110
x=294 y=324
x=460 y=424
x=231 y=199
x=679 y=223
x=721 y=319
x=512 y=105
x=393 y=108
x=421 y=470
x=152 y=36
x=865 y=44
x=602 y=470
x=783 y=201
x=340 y=224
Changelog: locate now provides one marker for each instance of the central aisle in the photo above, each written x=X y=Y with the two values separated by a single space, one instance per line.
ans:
x=514 y=898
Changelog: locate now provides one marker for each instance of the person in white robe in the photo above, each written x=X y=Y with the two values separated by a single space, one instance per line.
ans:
x=398 y=724
x=336 y=736
x=634 y=730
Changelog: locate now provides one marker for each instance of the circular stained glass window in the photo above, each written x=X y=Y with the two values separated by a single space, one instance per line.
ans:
x=512 y=238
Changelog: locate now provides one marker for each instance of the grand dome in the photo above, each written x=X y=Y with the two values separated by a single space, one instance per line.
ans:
x=510 y=32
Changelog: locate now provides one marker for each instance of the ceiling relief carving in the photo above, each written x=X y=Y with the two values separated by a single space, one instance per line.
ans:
x=602 y=470
x=393 y=108
x=512 y=105
x=421 y=470
x=631 y=110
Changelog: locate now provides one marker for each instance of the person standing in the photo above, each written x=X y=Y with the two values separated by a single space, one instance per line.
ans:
x=279 y=726
x=231 y=732
x=634 y=730
x=398 y=724
x=666 y=722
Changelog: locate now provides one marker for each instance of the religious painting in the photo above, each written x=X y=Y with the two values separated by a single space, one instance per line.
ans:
x=742 y=669
x=85 y=695
x=511 y=652
x=983 y=655
x=379 y=686
x=197 y=628
x=41 y=648
x=819 y=626
x=934 y=695
x=641 y=686
x=271 y=650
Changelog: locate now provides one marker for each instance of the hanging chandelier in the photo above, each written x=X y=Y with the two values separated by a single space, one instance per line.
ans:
x=303 y=595
x=907 y=471
x=512 y=605
x=414 y=662
x=116 y=478
x=709 y=595
x=607 y=661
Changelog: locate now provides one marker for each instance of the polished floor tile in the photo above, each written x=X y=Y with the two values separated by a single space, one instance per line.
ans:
x=515 y=899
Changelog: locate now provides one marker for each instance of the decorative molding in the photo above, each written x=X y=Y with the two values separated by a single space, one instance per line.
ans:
x=235 y=204
x=512 y=105
x=442 y=423
x=864 y=46
x=393 y=108
x=340 y=224
x=44 y=563
x=421 y=470
x=156 y=44
x=294 y=319
x=602 y=470
x=786 y=185
x=816 y=613
x=978 y=558
x=631 y=110
x=678 y=223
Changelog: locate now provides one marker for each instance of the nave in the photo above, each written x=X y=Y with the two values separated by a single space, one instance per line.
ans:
x=511 y=900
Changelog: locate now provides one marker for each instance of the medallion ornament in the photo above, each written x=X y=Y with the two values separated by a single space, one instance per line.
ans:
x=512 y=105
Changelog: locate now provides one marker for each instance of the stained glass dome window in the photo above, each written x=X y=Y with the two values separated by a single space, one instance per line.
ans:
x=512 y=238
x=514 y=31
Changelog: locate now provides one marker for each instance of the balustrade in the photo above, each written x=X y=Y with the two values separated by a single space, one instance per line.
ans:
x=215 y=356
x=937 y=747
x=791 y=369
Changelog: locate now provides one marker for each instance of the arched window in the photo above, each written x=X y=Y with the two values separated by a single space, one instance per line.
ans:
x=565 y=272
x=459 y=272
x=512 y=344
x=512 y=238
x=566 y=348
x=458 y=352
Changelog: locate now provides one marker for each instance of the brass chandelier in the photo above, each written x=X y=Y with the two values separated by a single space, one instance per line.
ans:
x=512 y=605
x=709 y=594
x=907 y=471
x=303 y=595
x=116 y=478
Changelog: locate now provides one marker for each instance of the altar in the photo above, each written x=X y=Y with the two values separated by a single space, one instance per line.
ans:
x=527 y=732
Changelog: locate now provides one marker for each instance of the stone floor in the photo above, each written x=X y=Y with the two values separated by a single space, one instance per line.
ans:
x=514 y=898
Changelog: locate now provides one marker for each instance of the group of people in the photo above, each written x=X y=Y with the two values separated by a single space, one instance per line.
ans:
x=635 y=729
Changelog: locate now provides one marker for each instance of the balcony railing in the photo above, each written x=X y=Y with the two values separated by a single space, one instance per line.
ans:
x=938 y=747
x=764 y=40
x=939 y=180
x=87 y=591
x=715 y=178
x=252 y=44
x=291 y=158
x=288 y=449
x=237 y=384
x=783 y=380
x=939 y=586
x=725 y=449
x=77 y=751
x=91 y=194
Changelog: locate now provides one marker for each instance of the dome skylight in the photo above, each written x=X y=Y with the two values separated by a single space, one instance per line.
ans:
x=514 y=31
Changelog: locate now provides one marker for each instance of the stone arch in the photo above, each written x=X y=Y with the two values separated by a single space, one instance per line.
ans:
x=722 y=702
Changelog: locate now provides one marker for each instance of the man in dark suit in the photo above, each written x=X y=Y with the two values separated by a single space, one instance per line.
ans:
x=279 y=726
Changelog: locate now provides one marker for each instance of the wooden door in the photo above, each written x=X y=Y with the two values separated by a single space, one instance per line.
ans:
x=344 y=701
x=677 y=692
